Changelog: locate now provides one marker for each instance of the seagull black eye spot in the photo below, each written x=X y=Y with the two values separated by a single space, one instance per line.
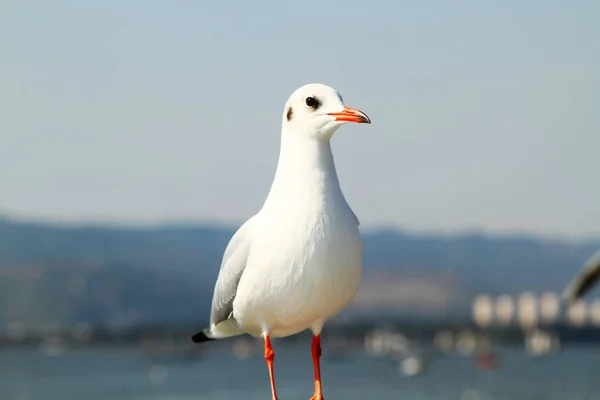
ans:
x=290 y=113
x=312 y=102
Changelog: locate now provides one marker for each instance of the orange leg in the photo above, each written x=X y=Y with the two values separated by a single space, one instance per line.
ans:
x=316 y=354
x=269 y=357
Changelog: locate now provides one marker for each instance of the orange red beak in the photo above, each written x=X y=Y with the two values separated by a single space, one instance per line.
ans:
x=351 y=115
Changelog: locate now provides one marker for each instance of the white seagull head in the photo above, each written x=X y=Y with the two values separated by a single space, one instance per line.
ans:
x=317 y=111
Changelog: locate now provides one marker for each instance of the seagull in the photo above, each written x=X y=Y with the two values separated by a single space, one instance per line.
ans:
x=584 y=281
x=298 y=261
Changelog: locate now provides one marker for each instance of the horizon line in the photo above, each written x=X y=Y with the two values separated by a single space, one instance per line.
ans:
x=108 y=223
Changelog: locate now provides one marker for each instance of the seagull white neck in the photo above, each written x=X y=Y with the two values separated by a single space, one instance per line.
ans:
x=305 y=171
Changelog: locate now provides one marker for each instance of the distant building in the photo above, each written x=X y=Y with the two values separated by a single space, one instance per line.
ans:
x=595 y=313
x=483 y=311
x=577 y=313
x=549 y=307
x=527 y=310
x=505 y=309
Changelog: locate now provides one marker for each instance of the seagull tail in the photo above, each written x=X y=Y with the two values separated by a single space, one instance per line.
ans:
x=203 y=336
x=222 y=330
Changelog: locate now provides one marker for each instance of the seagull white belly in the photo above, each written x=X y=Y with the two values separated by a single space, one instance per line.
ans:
x=284 y=293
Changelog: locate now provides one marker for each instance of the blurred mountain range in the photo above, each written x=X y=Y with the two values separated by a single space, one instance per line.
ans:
x=54 y=276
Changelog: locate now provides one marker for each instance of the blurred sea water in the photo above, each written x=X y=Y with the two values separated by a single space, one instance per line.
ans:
x=119 y=373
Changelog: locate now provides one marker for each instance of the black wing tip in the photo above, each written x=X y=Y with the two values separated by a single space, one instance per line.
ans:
x=201 y=337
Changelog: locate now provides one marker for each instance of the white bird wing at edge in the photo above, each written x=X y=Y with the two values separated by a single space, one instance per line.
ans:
x=232 y=268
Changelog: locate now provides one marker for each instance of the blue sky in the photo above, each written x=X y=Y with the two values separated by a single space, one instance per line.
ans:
x=485 y=114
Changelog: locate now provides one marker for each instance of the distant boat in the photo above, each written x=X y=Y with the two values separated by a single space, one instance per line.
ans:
x=385 y=342
x=53 y=346
x=540 y=344
x=488 y=361
x=412 y=365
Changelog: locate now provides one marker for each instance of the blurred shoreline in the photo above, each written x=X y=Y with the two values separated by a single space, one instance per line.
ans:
x=355 y=333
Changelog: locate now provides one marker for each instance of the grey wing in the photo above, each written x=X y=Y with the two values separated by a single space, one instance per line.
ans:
x=232 y=268
x=590 y=273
